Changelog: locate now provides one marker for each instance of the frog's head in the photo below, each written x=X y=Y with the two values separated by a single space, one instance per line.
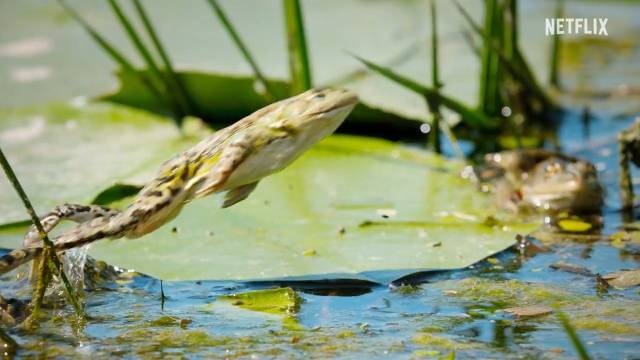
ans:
x=559 y=185
x=313 y=114
x=283 y=131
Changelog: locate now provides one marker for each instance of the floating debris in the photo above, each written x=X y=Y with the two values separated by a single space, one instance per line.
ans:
x=529 y=311
x=571 y=268
x=623 y=279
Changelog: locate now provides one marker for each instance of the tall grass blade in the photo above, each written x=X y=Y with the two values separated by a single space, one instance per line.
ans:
x=178 y=107
x=111 y=51
x=222 y=16
x=433 y=103
x=471 y=43
x=176 y=82
x=297 y=45
x=555 y=49
x=46 y=242
x=473 y=118
x=573 y=336
x=9 y=346
x=517 y=65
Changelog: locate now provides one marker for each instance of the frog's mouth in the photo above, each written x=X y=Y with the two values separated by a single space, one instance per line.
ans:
x=350 y=100
x=345 y=102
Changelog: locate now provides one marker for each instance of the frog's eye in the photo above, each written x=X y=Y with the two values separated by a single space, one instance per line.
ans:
x=319 y=96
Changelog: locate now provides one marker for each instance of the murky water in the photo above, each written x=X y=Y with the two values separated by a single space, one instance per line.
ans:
x=445 y=312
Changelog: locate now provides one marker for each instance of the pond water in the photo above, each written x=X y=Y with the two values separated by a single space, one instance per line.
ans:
x=441 y=313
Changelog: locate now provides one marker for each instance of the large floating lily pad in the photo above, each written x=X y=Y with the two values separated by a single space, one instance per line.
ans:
x=351 y=208
x=64 y=153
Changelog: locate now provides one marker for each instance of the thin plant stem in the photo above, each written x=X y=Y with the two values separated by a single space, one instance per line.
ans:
x=433 y=103
x=573 y=336
x=178 y=107
x=517 y=66
x=554 y=79
x=222 y=16
x=474 y=118
x=10 y=345
x=626 y=184
x=43 y=277
x=162 y=297
x=46 y=242
x=297 y=45
x=471 y=43
x=177 y=83
x=111 y=51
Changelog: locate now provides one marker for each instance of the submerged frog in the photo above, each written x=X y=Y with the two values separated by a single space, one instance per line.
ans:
x=536 y=179
x=232 y=160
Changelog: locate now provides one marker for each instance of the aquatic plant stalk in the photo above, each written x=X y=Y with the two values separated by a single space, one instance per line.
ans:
x=473 y=118
x=573 y=336
x=297 y=44
x=222 y=16
x=433 y=102
x=626 y=184
x=111 y=51
x=10 y=345
x=514 y=62
x=489 y=92
x=46 y=242
x=178 y=107
x=554 y=61
x=174 y=79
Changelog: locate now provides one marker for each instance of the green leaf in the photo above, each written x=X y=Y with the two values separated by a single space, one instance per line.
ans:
x=274 y=301
x=319 y=203
x=63 y=153
x=316 y=206
x=224 y=99
x=473 y=117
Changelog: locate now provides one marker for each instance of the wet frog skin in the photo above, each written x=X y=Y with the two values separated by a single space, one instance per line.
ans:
x=541 y=180
x=231 y=161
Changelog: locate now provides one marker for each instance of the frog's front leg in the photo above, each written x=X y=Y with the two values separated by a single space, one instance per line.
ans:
x=73 y=212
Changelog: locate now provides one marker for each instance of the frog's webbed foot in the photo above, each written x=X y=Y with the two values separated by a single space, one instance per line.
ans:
x=72 y=212
x=238 y=194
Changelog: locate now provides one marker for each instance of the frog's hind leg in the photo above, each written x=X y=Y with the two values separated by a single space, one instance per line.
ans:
x=72 y=212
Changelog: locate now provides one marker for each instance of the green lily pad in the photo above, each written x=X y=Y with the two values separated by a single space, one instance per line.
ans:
x=350 y=208
x=416 y=199
x=65 y=153
x=274 y=301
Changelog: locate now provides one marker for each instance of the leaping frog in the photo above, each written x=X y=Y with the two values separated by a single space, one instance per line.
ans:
x=232 y=160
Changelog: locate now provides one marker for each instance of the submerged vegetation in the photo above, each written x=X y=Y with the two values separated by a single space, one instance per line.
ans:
x=335 y=247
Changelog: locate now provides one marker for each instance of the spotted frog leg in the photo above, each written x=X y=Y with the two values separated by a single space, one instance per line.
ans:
x=72 y=212
x=180 y=181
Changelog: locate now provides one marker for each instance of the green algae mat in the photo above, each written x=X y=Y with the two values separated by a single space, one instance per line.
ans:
x=350 y=208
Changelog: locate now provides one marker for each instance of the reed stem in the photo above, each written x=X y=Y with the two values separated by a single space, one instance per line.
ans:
x=297 y=45
x=176 y=83
x=178 y=107
x=573 y=336
x=46 y=242
x=554 y=78
x=433 y=103
x=112 y=52
x=222 y=16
